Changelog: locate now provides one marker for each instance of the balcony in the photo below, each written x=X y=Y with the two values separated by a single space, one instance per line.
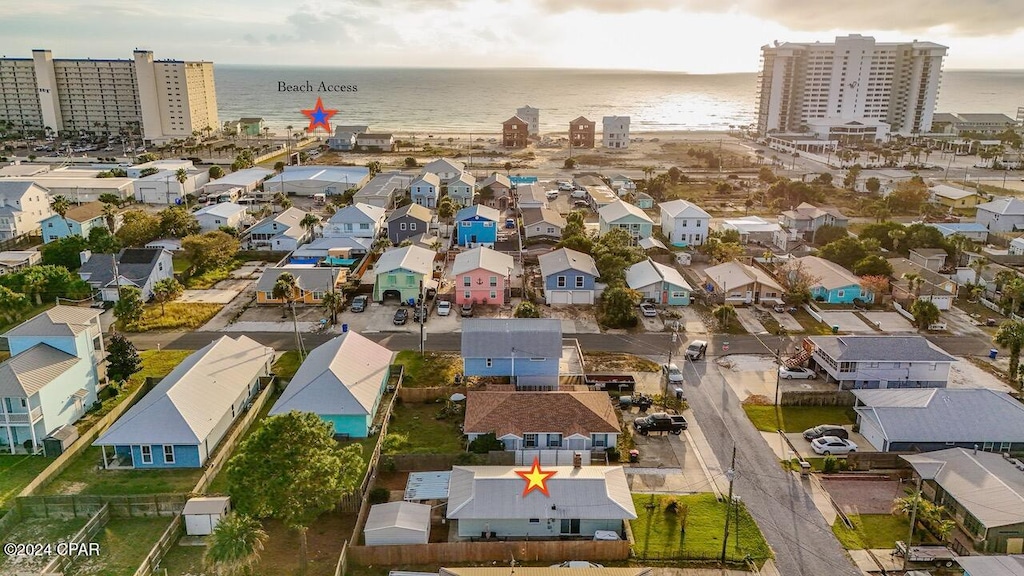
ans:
x=22 y=417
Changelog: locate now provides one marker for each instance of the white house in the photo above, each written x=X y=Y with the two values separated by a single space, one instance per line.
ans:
x=543 y=223
x=752 y=229
x=879 y=361
x=532 y=117
x=355 y=221
x=424 y=190
x=281 y=231
x=532 y=196
x=615 y=133
x=138 y=267
x=685 y=223
x=229 y=214
x=23 y=205
x=1002 y=214
x=375 y=141
x=247 y=179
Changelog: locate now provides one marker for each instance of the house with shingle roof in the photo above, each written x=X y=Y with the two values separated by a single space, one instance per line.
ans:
x=77 y=221
x=658 y=283
x=542 y=223
x=408 y=221
x=311 y=284
x=570 y=277
x=543 y=420
x=482 y=276
x=832 y=284
x=461 y=189
x=138 y=267
x=623 y=215
x=879 y=361
x=495 y=191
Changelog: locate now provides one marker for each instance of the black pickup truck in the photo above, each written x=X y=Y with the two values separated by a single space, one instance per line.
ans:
x=660 y=422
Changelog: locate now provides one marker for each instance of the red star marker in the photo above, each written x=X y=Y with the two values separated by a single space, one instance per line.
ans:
x=319 y=116
x=536 y=479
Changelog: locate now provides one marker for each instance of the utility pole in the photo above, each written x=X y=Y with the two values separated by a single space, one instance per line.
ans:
x=670 y=349
x=423 y=318
x=731 y=475
x=778 y=376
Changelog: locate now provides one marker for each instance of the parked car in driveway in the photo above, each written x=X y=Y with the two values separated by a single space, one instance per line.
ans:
x=648 y=310
x=401 y=316
x=828 y=445
x=359 y=303
x=467 y=310
x=444 y=308
x=826 y=430
x=675 y=375
x=568 y=187
x=660 y=422
x=798 y=373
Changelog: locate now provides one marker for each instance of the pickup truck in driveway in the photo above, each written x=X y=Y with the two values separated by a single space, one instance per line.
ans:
x=660 y=422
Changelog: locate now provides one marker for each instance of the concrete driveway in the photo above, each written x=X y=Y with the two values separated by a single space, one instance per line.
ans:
x=668 y=463
x=803 y=447
x=653 y=324
x=748 y=319
x=960 y=323
x=786 y=320
x=889 y=322
x=757 y=375
x=847 y=322
x=212 y=296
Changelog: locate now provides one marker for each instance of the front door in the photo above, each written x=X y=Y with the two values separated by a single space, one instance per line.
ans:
x=570 y=526
x=1014 y=545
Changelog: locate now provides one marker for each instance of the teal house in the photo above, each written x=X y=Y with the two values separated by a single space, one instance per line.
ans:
x=633 y=220
x=399 y=272
x=77 y=221
x=341 y=381
x=658 y=283
x=833 y=284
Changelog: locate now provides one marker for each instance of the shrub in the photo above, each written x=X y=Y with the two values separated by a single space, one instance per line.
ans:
x=830 y=465
x=468 y=459
x=393 y=443
x=486 y=443
x=379 y=495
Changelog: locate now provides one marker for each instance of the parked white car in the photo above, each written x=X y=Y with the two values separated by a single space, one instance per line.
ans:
x=444 y=308
x=828 y=445
x=798 y=373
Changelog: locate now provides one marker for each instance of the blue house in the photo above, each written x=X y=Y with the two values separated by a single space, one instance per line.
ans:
x=834 y=284
x=569 y=277
x=342 y=382
x=526 y=350
x=180 y=422
x=477 y=226
x=52 y=376
x=77 y=221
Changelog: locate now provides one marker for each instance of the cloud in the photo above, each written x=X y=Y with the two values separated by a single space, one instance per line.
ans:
x=990 y=17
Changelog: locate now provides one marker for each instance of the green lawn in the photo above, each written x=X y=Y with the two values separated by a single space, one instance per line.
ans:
x=367 y=444
x=426 y=434
x=29 y=313
x=872 y=531
x=810 y=325
x=660 y=533
x=208 y=278
x=124 y=543
x=16 y=471
x=38 y=530
x=797 y=418
x=431 y=369
x=287 y=365
x=181 y=264
x=174 y=316
x=84 y=476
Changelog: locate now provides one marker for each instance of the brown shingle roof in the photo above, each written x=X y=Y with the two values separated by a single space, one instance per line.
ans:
x=518 y=413
x=85 y=212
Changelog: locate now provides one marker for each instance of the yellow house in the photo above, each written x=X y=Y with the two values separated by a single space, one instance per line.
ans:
x=951 y=197
x=310 y=284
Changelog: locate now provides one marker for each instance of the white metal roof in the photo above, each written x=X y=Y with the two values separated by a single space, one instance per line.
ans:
x=428 y=485
x=223 y=209
x=57 y=321
x=401 y=514
x=206 y=505
x=829 y=274
x=411 y=258
x=358 y=212
x=28 y=372
x=483 y=257
x=677 y=208
x=648 y=272
x=620 y=209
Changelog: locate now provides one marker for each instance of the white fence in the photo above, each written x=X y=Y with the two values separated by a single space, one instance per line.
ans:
x=551 y=457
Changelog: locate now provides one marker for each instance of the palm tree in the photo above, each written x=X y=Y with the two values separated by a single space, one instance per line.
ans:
x=896 y=236
x=310 y=222
x=333 y=302
x=1014 y=292
x=284 y=289
x=1011 y=335
x=978 y=266
x=914 y=282
x=925 y=313
x=182 y=176
x=648 y=171
x=724 y=314
x=374 y=166
x=61 y=205
x=446 y=209
x=960 y=244
x=289 y=128
x=235 y=544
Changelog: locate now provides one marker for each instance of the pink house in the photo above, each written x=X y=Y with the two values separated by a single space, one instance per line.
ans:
x=482 y=276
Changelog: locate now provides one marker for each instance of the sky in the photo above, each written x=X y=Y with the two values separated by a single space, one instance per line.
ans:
x=695 y=36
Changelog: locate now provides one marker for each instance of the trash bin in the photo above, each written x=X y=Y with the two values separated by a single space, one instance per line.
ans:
x=835 y=328
x=805 y=468
x=625 y=402
x=634 y=456
x=992 y=353
x=679 y=393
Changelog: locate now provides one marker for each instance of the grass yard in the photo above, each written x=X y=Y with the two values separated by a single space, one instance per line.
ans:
x=181 y=264
x=426 y=434
x=873 y=531
x=206 y=279
x=659 y=533
x=124 y=542
x=618 y=362
x=37 y=530
x=797 y=418
x=287 y=365
x=176 y=316
x=16 y=471
x=811 y=326
x=431 y=369
x=85 y=476
x=220 y=482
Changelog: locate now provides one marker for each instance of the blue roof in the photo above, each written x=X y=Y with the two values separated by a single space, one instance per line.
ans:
x=948 y=229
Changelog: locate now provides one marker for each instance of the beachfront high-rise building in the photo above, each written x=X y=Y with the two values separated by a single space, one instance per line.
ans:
x=532 y=117
x=852 y=78
x=158 y=100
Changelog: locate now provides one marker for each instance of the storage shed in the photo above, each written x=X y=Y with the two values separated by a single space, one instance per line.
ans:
x=203 y=513
x=397 y=523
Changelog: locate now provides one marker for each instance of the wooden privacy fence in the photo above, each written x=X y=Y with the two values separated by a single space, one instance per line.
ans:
x=159 y=550
x=432 y=394
x=342 y=566
x=77 y=506
x=877 y=460
x=87 y=534
x=9 y=520
x=444 y=553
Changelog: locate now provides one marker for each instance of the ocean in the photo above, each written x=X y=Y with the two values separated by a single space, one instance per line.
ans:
x=467 y=100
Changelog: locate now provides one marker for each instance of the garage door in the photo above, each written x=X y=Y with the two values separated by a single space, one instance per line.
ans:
x=872 y=433
x=559 y=297
x=582 y=297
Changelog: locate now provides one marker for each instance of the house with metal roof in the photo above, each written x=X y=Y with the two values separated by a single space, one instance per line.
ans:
x=879 y=361
x=543 y=420
x=833 y=284
x=383 y=189
x=444 y=168
x=532 y=196
x=77 y=221
x=982 y=491
x=971 y=230
x=752 y=229
x=579 y=502
x=953 y=197
x=224 y=214
x=482 y=276
x=281 y=231
x=401 y=272
x=138 y=267
x=425 y=190
x=461 y=189
x=526 y=350
x=1005 y=214
x=180 y=422
x=658 y=283
x=477 y=226
x=52 y=377
x=685 y=223
x=1003 y=565
x=625 y=216
x=397 y=523
x=938 y=418
x=311 y=284
x=408 y=221
x=570 y=277
x=355 y=221
x=310 y=180
x=342 y=382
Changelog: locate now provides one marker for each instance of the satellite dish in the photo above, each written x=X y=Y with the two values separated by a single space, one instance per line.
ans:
x=457 y=397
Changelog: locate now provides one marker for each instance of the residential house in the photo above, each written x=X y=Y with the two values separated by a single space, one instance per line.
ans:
x=526 y=350
x=971 y=230
x=684 y=223
x=180 y=422
x=462 y=189
x=355 y=221
x=615 y=133
x=341 y=381
x=332 y=250
x=1002 y=214
x=931 y=286
x=444 y=168
x=401 y=272
x=496 y=191
x=600 y=196
x=658 y=283
x=138 y=267
x=246 y=180
x=52 y=377
x=384 y=190
x=226 y=214
x=752 y=229
x=952 y=197
x=23 y=206
x=514 y=132
x=344 y=138
x=622 y=184
x=578 y=502
x=408 y=221
x=425 y=190
x=644 y=201
x=570 y=277
x=531 y=116
x=282 y=231
x=940 y=418
x=477 y=226
x=250 y=126
x=543 y=420
x=627 y=217
x=375 y=142
x=308 y=181
x=1012 y=565
x=933 y=259
x=310 y=284
x=832 y=284
x=14 y=260
x=1016 y=247
x=543 y=223
x=482 y=276
x=77 y=221
x=879 y=361
x=581 y=133
x=532 y=196
x=807 y=218
x=739 y=283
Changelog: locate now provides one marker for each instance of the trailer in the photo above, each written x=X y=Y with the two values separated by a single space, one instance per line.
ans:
x=937 y=556
x=611 y=382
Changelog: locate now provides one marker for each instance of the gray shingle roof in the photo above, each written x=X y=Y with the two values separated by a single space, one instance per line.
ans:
x=880 y=349
x=505 y=337
x=947 y=415
x=28 y=372
x=565 y=259
x=135 y=264
x=57 y=321
x=307 y=279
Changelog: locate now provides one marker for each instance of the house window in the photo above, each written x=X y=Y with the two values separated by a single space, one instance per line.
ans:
x=412 y=226
x=570 y=526
x=932 y=366
x=494 y=295
x=401 y=226
x=168 y=454
x=579 y=281
x=467 y=294
x=392 y=279
x=493 y=281
x=534 y=520
x=348 y=227
x=841 y=293
x=160 y=266
x=489 y=362
x=529 y=440
x=554 y=440
x=488 y=224
x=465 y=224
x=318 y=295
x=147 y=454
x=467 y=281
x=410 y=280
x=678 y=294
x=364 y=226
x=599 y=440
x=551 y=230
x=561 y=281
x=683 y=224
